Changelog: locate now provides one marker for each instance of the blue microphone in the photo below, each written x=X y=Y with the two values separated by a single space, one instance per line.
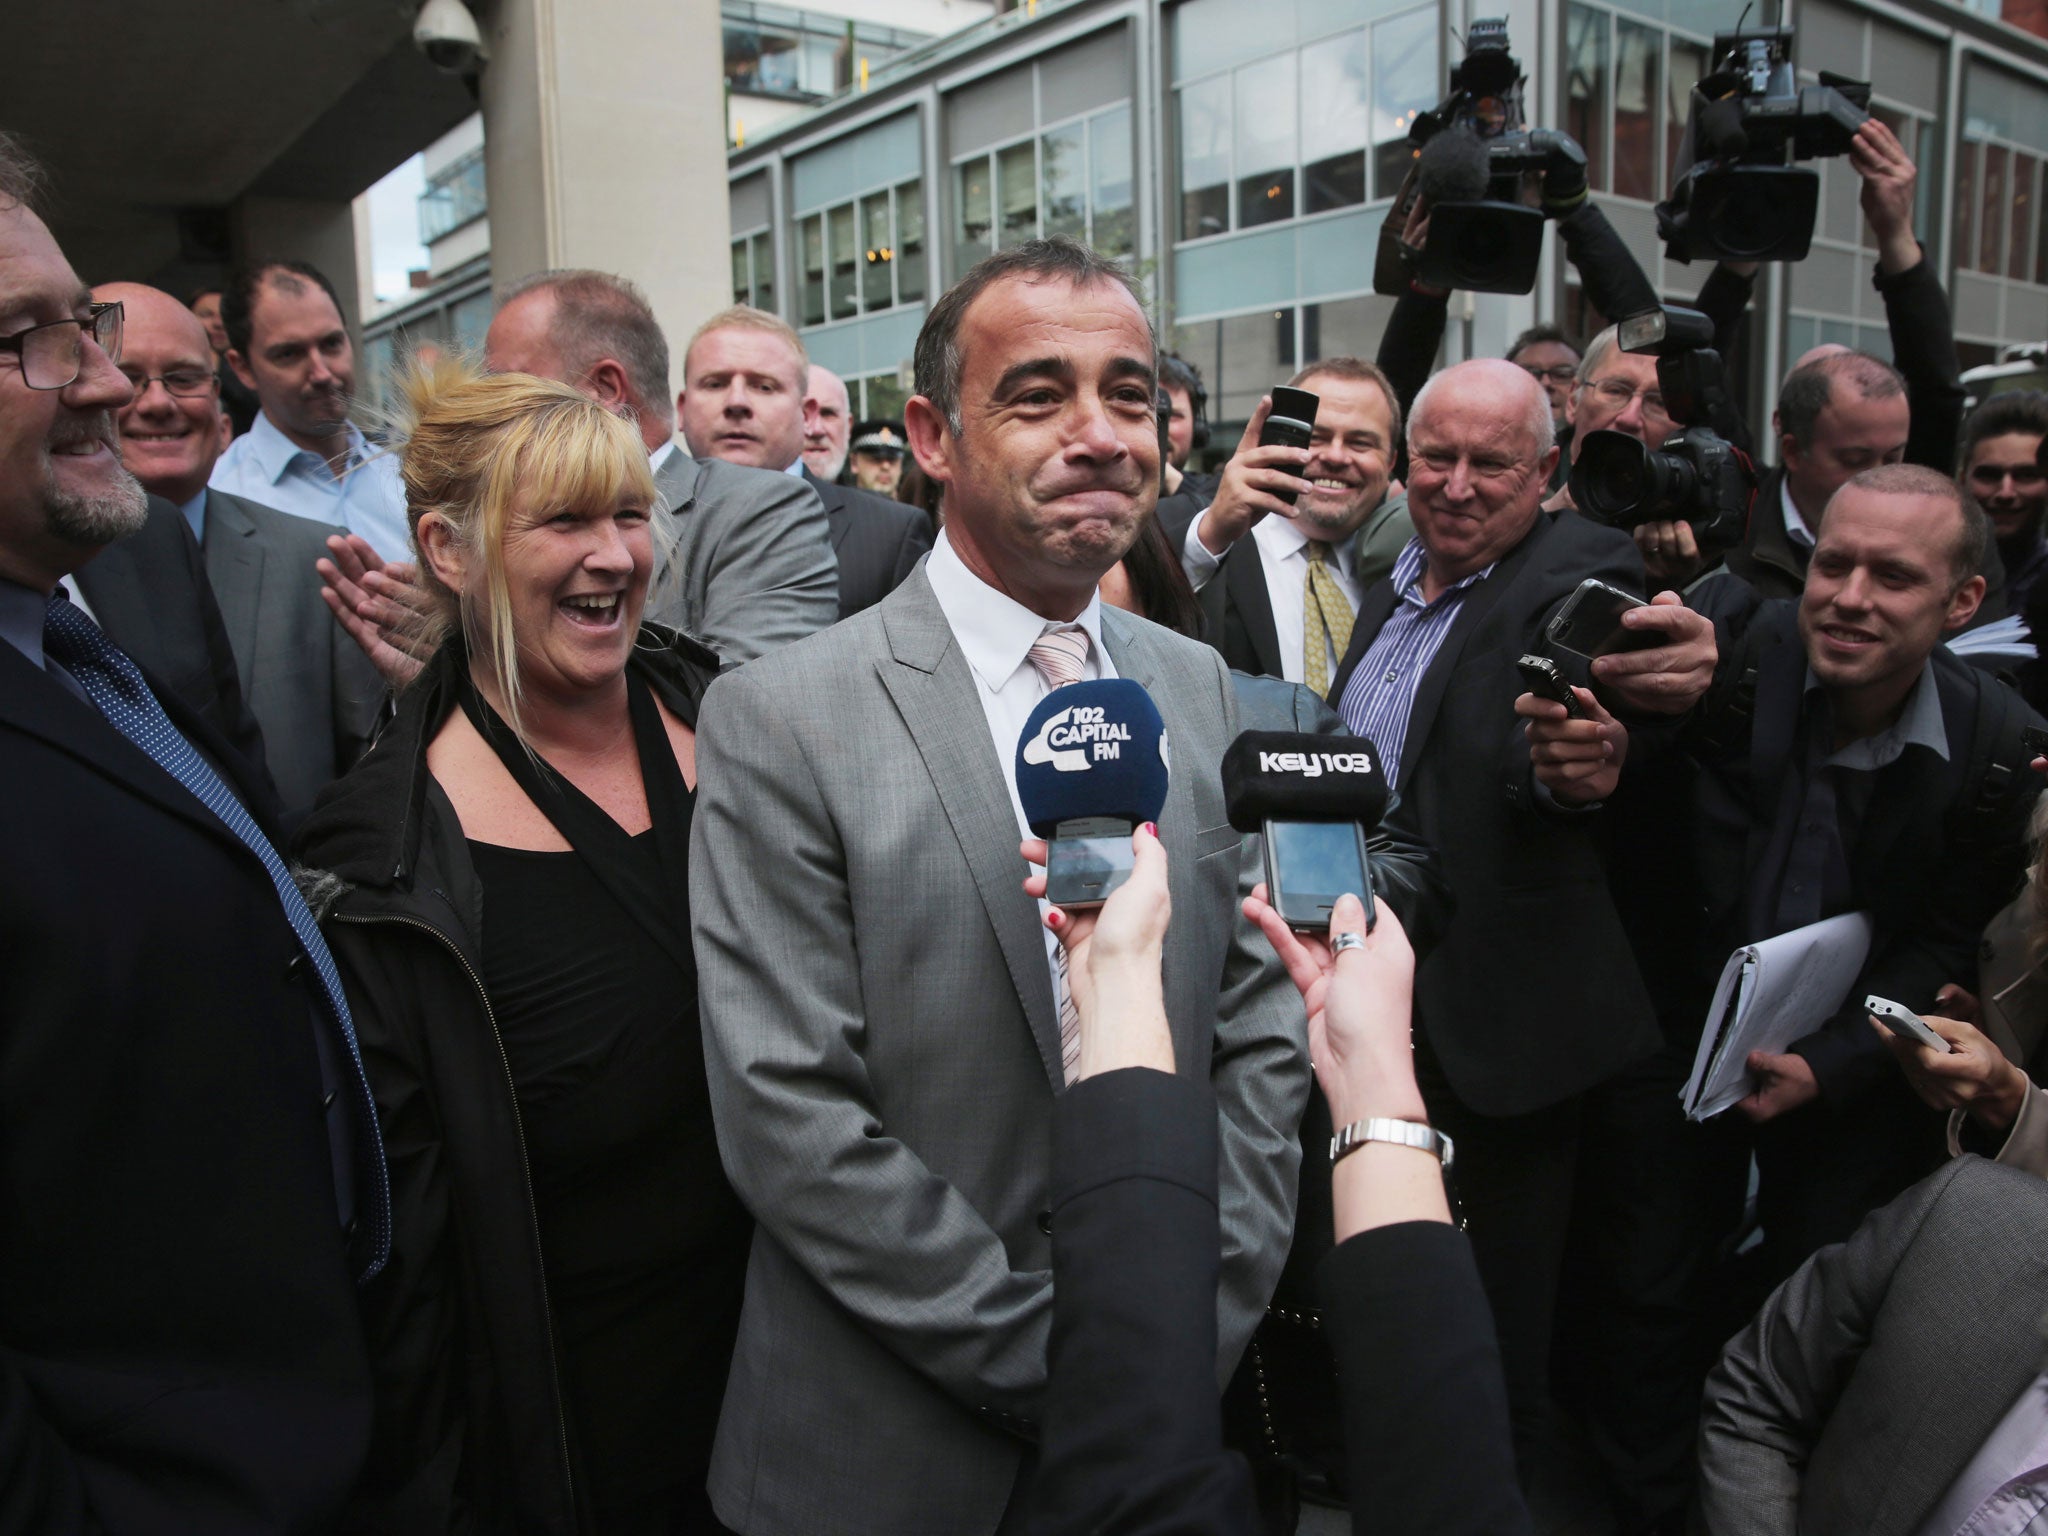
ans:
x=1091 y=767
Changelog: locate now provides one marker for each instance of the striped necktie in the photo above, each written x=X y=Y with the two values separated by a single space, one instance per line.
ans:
x=1326 y=620
x=1059 y=655
x=116 y=688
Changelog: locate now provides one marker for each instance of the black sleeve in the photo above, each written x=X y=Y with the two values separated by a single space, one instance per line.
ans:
x=1409 y=344
x=1425 y=1410
x=1924 y=350
x=1132 y=1441
x=40 y=1490
x=1613 y=278
x=1723 y=298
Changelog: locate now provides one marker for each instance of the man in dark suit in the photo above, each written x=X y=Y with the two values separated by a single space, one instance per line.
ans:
x=1531 y=997
x=744 y=379
x=190 y=1171
x=311 y=688
x=1279 y=583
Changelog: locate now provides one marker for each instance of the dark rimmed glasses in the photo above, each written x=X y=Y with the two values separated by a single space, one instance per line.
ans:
x=52 y=355
x=182 y=382
x=1563 y=373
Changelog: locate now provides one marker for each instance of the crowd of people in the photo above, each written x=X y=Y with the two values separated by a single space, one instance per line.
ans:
x=523 y=1007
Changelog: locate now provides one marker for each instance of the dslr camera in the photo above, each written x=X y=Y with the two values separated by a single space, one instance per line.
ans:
x=1696 y=475
x=1474 y=164
x=1734 y=196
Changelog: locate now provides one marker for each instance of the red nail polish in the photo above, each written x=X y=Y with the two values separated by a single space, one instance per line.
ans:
x=1152 y=829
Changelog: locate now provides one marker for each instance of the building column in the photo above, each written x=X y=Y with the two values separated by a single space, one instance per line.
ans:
x=604 y=146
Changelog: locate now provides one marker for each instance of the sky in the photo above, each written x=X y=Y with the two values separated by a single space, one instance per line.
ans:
x=395 y=229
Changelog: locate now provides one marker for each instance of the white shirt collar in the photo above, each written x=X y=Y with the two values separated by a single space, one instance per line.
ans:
x=994 y=630
x=797 y=468
x=275 y=453
x=1795 y=520
x=661 y=455
x=1281 y=538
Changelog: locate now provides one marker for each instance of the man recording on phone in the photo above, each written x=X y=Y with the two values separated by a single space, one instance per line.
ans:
x=886 y=1026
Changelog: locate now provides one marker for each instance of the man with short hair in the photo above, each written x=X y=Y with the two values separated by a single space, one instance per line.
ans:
x=881 y=1000
x=1279 y=583
x=744 y=379
x=1547 y=355
x=288 y=343
x=878 y=456
x=1430 y=678
x=314 y=693
x=828 y=417
x=745 y=565
x=2000 y=465
x=191 y=1179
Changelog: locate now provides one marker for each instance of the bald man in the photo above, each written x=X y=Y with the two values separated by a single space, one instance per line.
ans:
x=1531 y=999
x=828 y=419
x=313 y=692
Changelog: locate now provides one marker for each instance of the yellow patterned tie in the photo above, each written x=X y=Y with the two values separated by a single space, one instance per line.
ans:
x=1326 y=619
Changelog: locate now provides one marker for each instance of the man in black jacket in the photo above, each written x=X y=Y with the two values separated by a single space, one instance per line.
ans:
x=190 y=1171
x=1532 y=997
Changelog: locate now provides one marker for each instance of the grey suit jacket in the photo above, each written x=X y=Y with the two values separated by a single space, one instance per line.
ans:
x=311 y=688
x=1870 y=1378
x=743 y=557
x=883 y=1054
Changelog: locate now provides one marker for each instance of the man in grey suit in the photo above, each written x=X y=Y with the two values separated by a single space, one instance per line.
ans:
x=881 y=1011
x=314 y=694
x=1894 y=1386
x=744 y=561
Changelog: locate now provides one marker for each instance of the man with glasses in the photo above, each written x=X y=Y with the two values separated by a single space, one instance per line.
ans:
x=191 y=1178
x=288 y=342
x=1548 y=356
x=2001 y=467
x=312 y=690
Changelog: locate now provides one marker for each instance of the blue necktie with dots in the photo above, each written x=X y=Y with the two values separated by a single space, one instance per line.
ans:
x=117 y=689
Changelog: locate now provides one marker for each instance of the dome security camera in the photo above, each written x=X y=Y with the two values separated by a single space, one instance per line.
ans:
x=447 y=34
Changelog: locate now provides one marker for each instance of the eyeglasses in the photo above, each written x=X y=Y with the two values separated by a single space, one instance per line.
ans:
x=1617 y=395
x=178 y=381
x=1563 y=373
x=52 y=355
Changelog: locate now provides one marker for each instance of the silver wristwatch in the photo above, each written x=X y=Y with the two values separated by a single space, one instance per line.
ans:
x=1402 y=1133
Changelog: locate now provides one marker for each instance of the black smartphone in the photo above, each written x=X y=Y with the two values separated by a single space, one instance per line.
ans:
x=2034 y=742
x=1547 y=681
x=1589 y=624
x=1290 y=423
x=1309 y=864
x=1083 y=867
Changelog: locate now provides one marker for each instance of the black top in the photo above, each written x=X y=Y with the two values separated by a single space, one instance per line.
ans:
x=587 y=963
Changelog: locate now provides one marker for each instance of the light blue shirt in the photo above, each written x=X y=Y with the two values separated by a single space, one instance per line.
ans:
x=195 y=514
x=368 y=500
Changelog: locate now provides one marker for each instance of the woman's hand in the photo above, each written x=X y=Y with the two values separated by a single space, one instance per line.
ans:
x=1113 y=961
x=1359 y=1004
x=382 y=604
x=1975 y=1076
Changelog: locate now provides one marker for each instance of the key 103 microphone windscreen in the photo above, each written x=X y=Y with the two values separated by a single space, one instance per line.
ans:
x=1287 y=776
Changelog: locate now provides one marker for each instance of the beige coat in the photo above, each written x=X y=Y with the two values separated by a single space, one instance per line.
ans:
x=2012 y=981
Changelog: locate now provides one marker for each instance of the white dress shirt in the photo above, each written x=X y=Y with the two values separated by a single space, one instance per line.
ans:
x=368 y=499
x=995 y=633
x=662 y=455
x=1795 y=520
x=1283 y=554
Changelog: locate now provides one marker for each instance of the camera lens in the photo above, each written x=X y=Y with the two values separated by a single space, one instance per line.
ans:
x=1756 y=213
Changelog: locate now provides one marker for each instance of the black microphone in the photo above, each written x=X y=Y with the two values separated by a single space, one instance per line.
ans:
x=1453 y=167
x=1091 y=768
x=1313 y=798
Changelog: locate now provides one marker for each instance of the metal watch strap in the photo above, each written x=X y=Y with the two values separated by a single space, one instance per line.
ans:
x=1401 y=1133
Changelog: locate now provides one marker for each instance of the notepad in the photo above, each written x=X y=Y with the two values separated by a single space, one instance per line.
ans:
x=1770 y=994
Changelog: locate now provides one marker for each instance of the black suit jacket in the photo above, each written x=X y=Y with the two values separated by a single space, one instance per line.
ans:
x=150 y=596
x=1132 y=1442
x=179 y=1347
x=878 y=542
x=1532 y=993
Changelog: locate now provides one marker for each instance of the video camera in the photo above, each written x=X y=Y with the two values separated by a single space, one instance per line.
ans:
x=1696 y=475
x=1473 y=163
x=1734 y=197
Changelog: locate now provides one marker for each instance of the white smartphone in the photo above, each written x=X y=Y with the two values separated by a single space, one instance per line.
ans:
x=1905 y=1023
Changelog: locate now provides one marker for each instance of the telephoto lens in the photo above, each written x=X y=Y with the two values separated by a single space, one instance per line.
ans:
x=1620 y=481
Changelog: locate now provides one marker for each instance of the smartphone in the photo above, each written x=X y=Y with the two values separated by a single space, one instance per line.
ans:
x=1309 y=864
x=1905 y=1023
x=1546 y=681
x=1589 y=624
x=1290 y=423
x=1087 y=863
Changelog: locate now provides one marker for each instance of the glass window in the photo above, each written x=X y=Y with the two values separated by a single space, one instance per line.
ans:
x=1335 y=117
x=1966 y=204
x=1991 y=172
x=1257 y=353
x=1017 y=179
x=1265 y=141
x=1063 y=167
x=1109 y=149
x=2022 y=215
x=974 y=219
x=1585 y=79
x=910 y=242
x=877 y=252
x=764 y=272
x=883 y=397
x=1205 y=158
x=1404 y=83
x=742 y=274
x=845 y=255
x=1688 y=63
x=811 y=262
x=469 y=318
x=2041 y=227
x=1637 y=53
x=1343 y=328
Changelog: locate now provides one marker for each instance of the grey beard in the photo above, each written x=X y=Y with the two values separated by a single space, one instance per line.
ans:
x=94 y=521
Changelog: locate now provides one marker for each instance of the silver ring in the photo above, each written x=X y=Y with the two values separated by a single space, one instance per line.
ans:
x=1345 y=941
